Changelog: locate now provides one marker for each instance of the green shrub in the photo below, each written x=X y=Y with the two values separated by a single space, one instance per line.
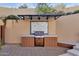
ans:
x=76 y=11
x=12 y=17
x=44 y=8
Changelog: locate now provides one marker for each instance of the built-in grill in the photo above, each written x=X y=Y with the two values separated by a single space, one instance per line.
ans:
x=39 y=33
x=39 y=39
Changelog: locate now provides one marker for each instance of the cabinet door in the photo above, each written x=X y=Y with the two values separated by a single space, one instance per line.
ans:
x=27 y=41
x=39 y=42
x=50 y=41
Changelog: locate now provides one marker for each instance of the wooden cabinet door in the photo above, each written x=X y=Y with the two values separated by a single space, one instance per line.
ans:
x=39 y=42
x=50 y=41
x=27 y=41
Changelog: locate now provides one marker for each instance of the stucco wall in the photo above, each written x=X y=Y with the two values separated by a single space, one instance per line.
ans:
x=15 y=30
x=67 y=28
x=52 y=26
x=13 y=11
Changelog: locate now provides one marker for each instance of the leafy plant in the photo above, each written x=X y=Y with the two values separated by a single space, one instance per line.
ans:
x=76 y=11
x=43 y=8
x=12 y=17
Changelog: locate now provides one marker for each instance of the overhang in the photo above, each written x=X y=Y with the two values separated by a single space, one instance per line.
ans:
x=54 y=15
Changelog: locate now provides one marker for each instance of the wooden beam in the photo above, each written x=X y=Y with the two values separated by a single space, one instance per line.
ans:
x=38 y=17
x=65 y=45
x=30 y=17
x=47 y=17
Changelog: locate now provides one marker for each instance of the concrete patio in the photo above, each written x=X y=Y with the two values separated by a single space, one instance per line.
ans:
x=16 y=50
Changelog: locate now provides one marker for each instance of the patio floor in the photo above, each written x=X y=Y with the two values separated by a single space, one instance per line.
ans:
x=17 y=50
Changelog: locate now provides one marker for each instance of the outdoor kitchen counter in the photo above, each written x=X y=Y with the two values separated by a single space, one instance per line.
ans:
x=39 y=36
x=29 y=40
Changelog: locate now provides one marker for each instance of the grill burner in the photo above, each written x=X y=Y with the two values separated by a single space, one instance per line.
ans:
x=39 y=33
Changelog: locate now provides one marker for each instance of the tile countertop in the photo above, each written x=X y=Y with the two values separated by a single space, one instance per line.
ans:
x=53 y=35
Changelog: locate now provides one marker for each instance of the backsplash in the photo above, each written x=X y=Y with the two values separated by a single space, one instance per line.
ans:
x=39 y=26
